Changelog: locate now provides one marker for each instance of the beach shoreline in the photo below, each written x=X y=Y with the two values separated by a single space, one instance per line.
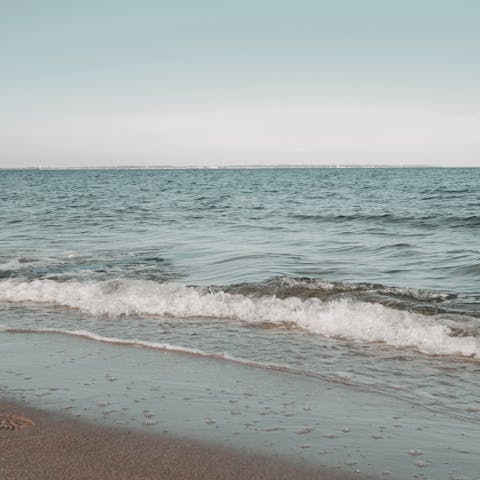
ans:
x=59 y=447
x=195 y=417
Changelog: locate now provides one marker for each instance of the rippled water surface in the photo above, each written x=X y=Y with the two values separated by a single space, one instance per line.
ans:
x=405 y=227
x=369 y=277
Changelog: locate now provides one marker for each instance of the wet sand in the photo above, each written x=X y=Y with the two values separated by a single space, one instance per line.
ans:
x=57 y=447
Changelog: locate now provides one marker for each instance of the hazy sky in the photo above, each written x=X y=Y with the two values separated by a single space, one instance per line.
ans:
x=202 y=82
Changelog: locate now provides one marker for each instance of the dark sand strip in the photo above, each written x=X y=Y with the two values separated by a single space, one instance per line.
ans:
x=57 y=447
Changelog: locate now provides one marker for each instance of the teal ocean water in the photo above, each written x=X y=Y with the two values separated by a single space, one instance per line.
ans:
x=365 y=277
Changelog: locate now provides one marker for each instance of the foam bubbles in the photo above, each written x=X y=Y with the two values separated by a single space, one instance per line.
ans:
x=341 y=318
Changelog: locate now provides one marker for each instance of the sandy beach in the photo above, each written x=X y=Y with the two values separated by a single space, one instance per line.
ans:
x=57 y=447
x=223 y=420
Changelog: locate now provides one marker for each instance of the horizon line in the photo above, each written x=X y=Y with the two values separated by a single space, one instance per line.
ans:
x=231 y=167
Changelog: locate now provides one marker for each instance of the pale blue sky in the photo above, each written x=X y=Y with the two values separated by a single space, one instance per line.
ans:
x=252 y=82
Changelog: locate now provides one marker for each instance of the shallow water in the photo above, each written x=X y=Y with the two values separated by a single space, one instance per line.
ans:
x=365 y=277
x=273 y=412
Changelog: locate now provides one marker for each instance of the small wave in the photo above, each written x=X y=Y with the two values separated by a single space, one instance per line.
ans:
x=166 y=347
x=66 y=266
x=112 y=340
x=385 y=218
x=335 y=318
x=472 y=269
x=396 y=246
x=347 y=217
x=306 y=287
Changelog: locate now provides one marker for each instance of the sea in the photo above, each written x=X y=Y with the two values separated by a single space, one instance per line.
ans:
x=326 y=314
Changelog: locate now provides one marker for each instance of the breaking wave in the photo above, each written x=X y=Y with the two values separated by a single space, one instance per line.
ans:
x=333 y=316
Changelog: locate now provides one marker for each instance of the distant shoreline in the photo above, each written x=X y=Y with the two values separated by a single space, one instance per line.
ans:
x=239 y=167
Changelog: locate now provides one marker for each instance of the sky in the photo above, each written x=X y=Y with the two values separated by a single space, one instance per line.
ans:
x=204 y=82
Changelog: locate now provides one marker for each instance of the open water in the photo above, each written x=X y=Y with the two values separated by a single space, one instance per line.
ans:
x=366 y=277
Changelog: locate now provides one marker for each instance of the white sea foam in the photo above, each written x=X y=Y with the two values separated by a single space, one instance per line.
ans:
x=341 y=318
x=114 y=340
x=165 y=347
